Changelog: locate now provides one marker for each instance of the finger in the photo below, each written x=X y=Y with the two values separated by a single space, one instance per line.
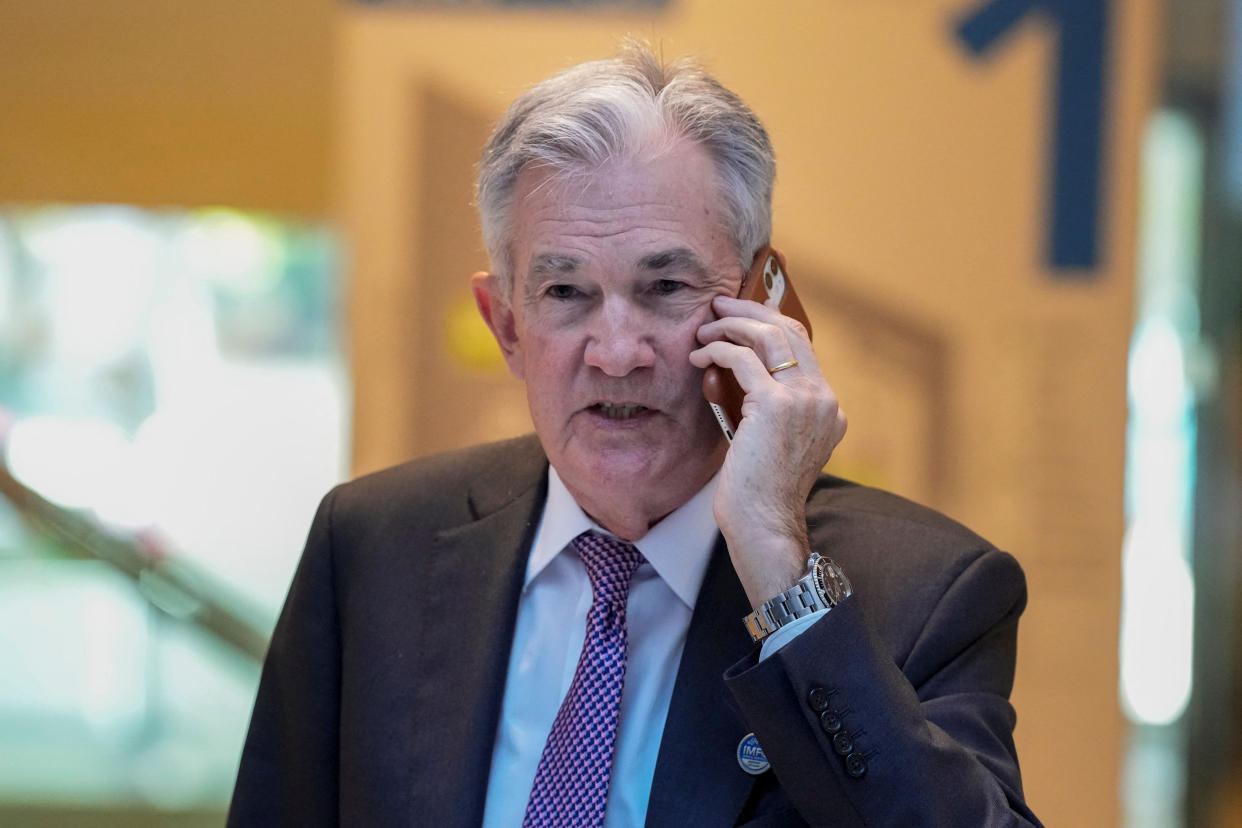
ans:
x=772 y=340
x=742 y=361
x=728 y=307
x=732 y=306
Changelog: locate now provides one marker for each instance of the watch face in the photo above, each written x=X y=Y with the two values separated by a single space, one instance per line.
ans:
x=831 y=582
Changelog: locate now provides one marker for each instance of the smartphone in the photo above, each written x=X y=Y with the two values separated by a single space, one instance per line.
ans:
x=767 y=283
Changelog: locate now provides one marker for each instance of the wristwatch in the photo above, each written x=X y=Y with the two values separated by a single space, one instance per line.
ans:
x=822 y=587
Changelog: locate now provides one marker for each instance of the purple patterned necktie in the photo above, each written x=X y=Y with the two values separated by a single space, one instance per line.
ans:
x=571 y=784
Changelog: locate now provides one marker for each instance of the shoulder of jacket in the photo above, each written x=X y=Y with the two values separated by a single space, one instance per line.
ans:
x=882 y=513
x=443 y=485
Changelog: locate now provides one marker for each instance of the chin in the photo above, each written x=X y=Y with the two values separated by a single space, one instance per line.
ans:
x=648 y=475
x=625 y=464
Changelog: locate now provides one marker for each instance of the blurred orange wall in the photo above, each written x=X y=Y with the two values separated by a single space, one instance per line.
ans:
x=207 y=103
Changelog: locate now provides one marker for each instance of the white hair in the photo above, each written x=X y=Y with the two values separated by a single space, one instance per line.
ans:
x=592 y=113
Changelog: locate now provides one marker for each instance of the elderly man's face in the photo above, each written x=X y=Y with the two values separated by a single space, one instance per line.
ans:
x=612 y=278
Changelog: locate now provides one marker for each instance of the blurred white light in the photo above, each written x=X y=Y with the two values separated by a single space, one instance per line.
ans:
x=1159 y=392
x=1157 y=614
x=233 y=250
x=101 y=271
x=114 y=635
x=79 y=464
x=242 y=440
x=1157 y=629
x=74 y=641
x=126 y=502
x=1169 y=231
x=8 y=284
x=182 y=347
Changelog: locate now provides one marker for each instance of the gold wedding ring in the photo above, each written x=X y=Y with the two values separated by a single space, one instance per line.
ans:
x=791 y=363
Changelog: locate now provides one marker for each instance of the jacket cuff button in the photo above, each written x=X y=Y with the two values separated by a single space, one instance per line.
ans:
x=819 y=698
x=843 y=743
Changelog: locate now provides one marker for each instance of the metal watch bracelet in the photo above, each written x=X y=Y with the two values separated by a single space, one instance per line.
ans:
x=821 y=588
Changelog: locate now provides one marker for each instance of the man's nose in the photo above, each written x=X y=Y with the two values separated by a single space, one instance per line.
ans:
x=620 y=340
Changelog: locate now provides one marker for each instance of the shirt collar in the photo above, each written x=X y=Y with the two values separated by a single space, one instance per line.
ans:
x=678 y=547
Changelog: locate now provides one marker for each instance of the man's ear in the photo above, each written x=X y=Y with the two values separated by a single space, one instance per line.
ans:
x=497 y=312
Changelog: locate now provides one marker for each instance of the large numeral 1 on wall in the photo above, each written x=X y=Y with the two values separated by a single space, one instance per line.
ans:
x=1077 y=146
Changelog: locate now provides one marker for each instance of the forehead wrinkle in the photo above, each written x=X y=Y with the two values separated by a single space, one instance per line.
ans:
x=653 y=211
x=611 y=223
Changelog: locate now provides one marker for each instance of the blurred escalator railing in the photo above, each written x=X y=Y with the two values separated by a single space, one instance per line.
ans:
x=170 y=585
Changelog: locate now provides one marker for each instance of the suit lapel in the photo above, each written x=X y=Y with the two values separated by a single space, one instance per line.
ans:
x=473 y=585
x=697 y=779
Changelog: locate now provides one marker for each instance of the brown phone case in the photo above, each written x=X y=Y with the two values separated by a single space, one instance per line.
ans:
x=767 y=283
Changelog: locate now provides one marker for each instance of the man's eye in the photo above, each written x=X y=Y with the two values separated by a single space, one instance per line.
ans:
x=666 y=286
x=562 y=291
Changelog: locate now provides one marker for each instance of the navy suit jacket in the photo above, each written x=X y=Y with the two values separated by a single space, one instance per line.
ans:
x=368 y=714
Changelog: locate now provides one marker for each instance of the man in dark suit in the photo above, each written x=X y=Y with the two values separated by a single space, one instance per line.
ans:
x=549 y=631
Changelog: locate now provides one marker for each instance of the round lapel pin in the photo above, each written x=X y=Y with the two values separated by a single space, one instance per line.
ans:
x=750 y=755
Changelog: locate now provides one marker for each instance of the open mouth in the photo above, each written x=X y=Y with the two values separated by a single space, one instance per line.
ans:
x=620 y=411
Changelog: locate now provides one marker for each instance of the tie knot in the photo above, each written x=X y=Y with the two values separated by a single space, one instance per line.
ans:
x=610 y=564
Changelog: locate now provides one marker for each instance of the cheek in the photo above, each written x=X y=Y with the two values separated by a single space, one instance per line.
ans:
x=550 y=360
x=684 y=338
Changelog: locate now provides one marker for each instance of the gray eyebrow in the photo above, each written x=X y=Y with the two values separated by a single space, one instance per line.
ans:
x=678 y=259
x=549 y=264
x=554 y=264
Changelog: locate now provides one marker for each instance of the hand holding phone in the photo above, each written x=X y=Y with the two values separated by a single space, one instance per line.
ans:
x=767 y=283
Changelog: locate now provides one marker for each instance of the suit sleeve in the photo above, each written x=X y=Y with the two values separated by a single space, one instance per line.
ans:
x=854 y=739
x=288 y=774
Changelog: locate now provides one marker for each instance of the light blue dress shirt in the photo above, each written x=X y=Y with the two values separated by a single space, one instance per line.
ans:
x=551 y=626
